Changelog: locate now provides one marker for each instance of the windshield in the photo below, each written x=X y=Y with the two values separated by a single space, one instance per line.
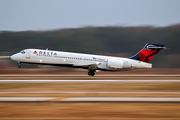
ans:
x=23 y=52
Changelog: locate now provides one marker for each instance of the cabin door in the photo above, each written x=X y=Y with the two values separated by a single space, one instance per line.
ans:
x=28 y=54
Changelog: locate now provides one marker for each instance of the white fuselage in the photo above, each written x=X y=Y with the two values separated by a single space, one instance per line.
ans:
x=38 y=56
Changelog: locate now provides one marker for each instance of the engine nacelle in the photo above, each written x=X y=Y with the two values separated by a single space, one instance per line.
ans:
x=117 y=64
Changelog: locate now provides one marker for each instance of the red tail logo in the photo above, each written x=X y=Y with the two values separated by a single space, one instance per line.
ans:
x=147 y=55
x=148 y=52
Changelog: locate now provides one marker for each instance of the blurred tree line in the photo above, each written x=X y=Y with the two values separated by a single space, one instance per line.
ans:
x=99 y=40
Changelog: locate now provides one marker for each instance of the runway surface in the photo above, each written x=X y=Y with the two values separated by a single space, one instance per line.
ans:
x=92 y=81
x=91 y=99
x=85 y=77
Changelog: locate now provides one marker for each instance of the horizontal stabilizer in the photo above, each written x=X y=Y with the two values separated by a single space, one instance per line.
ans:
x=155 y=47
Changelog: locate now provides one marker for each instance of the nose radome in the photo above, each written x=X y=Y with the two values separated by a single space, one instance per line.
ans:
x=14 y=57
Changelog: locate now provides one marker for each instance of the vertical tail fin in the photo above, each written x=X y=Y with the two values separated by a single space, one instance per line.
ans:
x=148 y=52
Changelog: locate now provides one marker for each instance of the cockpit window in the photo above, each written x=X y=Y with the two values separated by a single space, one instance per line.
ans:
x=23 y=52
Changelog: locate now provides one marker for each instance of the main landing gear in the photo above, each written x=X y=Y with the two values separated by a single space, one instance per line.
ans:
x=92 y=69
x=91 y=73
x=19 y=65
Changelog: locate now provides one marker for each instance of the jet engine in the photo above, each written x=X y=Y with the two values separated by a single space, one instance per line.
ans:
x=118 y=64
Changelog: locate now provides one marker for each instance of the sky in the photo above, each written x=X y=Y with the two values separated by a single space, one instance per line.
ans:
x=22 y=15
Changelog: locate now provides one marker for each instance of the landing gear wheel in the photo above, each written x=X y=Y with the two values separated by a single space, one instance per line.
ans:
x=19 y=65
x=90 y=73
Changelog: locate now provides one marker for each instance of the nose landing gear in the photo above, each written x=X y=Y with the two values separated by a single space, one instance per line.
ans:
x=19 y=65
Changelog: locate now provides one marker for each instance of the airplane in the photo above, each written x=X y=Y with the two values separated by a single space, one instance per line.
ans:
x=89 y=61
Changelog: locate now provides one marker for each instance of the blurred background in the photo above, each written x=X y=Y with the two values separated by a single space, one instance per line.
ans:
x=108 y=27
x=105 y=27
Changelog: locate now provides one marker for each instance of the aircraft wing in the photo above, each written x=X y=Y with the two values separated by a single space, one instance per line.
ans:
x=86 y=65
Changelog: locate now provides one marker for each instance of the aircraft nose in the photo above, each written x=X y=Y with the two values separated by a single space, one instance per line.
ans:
x=14 y=57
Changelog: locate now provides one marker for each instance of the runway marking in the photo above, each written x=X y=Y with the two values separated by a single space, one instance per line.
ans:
x=123 y=99
x=92 y=81
x=82 y=75
x=24 y=98
x=90 y=99
x=55 y=99
x=83 y=92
